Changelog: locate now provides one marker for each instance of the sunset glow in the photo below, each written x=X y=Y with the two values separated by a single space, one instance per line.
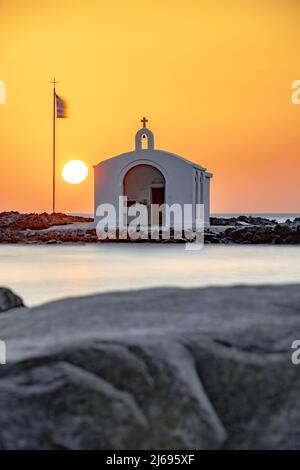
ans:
x=74 y=172
x=213 y=78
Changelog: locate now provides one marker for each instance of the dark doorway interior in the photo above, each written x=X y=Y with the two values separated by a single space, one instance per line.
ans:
x=158 y=195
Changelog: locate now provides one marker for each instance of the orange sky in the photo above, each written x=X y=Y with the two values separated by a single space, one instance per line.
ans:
x=213 y=77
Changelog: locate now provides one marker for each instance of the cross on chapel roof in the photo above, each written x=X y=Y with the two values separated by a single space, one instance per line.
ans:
x=144 y=121
x=144 y=133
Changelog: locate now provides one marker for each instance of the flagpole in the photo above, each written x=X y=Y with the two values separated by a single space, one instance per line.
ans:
x=53 y=148
x=53 y=202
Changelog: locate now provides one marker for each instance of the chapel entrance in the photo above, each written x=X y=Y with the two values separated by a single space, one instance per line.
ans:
x=144 y=184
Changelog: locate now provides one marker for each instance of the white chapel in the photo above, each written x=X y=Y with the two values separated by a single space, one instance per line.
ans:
x=150 y=176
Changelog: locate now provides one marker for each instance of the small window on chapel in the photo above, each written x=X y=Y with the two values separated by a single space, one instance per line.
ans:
x=144 y=142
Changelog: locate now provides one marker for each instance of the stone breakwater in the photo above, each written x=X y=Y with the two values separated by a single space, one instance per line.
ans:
x=46 y=229
x=15 y=221
x=279 y=234
x=48 y=237
x=242 y=219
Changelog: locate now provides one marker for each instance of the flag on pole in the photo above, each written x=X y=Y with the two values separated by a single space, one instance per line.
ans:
x=61 y=107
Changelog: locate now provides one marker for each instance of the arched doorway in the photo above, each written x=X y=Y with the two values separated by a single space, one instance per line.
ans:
x=144 y=184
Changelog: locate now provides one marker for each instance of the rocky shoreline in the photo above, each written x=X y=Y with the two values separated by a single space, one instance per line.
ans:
x=45 y=228
x=277 y=234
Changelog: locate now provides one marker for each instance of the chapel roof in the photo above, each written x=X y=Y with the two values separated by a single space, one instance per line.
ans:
x=139 y=151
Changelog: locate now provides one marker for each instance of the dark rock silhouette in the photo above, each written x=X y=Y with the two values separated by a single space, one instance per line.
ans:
x=9 y=300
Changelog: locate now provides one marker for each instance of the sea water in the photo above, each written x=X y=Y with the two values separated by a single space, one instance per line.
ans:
x=41 y=273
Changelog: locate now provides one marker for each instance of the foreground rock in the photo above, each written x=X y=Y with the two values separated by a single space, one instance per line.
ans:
x=9 y=300
x=154 y=369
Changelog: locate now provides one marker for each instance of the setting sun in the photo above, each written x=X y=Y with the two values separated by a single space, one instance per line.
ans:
x=75 y=171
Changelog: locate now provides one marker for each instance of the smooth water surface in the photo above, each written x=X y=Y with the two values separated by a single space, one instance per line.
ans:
x=43 y=273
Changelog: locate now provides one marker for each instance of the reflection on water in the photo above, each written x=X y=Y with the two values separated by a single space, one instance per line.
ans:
x=42 y=273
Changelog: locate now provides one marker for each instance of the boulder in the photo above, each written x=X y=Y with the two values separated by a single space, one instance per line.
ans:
x=263 y=236
x=154 y=369
x=283 y=230
x=9 y=300
x=211 y=237
x=238 y=235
